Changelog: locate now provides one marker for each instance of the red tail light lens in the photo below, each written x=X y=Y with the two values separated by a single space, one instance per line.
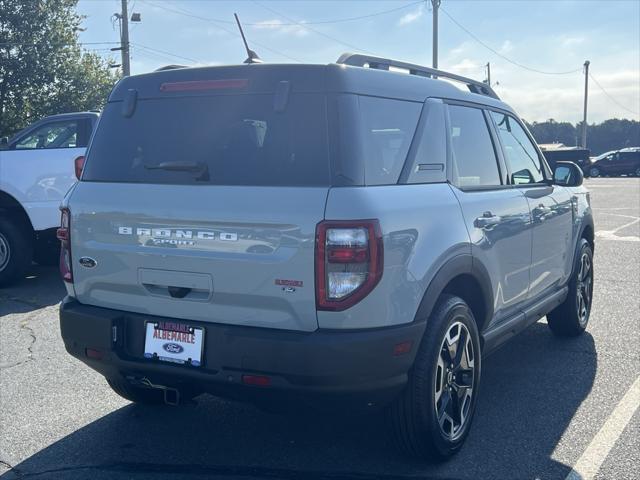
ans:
x=78 y=164
x=64 y=235
x=349 y=262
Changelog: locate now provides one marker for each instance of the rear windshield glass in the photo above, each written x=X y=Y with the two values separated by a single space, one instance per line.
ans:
x=217 y=140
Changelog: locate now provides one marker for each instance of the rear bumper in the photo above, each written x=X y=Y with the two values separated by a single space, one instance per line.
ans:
x=318 y=368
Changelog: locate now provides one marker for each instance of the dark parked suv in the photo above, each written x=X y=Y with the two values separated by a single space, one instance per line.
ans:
x=622 y=162
x=318 y=234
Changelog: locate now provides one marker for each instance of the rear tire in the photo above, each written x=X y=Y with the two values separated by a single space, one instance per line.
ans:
x=570 y=318
x=431 y=418
x=15 y=251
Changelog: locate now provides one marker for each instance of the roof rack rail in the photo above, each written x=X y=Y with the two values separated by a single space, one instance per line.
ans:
x=359 y=60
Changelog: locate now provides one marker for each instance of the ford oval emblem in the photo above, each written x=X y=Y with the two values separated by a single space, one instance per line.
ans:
x=87 y=262
x=173 y=348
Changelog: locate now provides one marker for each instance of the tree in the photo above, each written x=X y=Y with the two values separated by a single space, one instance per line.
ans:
x=43 y=70
x=612 y=134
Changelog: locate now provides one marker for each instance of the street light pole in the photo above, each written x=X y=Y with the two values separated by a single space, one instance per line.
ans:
x=435 y=4
x=586 y=94
x=124 y=40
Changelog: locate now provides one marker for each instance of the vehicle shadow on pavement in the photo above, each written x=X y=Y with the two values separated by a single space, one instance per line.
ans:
x=531 y=390
x=40 y=288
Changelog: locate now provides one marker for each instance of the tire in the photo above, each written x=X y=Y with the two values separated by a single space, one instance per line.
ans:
x=146 y=396
x=570 y=318
x=594 y=172
x=15 y=251
x=637 y=172
x=413 y=416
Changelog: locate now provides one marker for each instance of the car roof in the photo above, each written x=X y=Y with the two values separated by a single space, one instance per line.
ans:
x=303 y=78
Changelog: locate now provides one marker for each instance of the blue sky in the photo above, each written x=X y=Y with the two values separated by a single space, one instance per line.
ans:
x=545 y=35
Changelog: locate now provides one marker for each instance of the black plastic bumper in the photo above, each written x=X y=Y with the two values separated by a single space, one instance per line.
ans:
x=355 y=367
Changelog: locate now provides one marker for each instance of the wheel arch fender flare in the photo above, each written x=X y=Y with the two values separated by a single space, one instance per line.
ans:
x=464 y=264
x=9 y=202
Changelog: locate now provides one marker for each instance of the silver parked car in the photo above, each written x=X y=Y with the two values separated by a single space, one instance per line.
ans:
x=359 y=234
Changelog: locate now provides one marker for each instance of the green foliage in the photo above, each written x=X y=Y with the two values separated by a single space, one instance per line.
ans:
x=612 y=134
x=43 y=70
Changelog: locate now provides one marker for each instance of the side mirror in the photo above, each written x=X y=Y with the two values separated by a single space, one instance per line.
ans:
x=522 y=177
x=568 y=174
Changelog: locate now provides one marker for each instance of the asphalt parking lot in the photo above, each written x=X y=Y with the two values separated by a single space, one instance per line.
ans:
x=546 y=405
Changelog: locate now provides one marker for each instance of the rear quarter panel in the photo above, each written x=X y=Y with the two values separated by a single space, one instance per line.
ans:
x=422 y=228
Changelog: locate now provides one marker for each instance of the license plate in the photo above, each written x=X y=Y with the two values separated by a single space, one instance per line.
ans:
x=174 y=342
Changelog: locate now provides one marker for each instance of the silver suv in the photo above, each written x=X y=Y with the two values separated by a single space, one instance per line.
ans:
x=359 y=234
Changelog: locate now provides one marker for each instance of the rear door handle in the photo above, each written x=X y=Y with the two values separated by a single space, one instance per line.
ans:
x=487 y=220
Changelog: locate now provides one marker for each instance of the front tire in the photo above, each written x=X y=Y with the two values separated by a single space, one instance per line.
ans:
x=15 y=251
x=570 y=318
x=594 y=172
x=431 y=418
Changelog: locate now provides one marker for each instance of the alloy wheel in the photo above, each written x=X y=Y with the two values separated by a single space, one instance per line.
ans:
x=594 y=172
x=584 y=288
x=455 y=374
x=5 y=252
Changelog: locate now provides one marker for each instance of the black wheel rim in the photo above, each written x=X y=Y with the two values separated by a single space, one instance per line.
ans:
x=5 y=253
x=454 y=379
x=584 y=288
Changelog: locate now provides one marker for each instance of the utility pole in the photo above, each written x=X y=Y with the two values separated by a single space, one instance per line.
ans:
x=435 y=4
x=488 y=73
x=124 y=40
x=586 y=94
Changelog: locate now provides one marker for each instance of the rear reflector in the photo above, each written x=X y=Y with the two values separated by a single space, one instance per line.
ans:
x=402 y=348
x=204 y=85
x=258 y=380
x=93 y=353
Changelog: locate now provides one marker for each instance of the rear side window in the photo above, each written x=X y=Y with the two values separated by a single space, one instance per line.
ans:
x=474 y=158
x=388 y=129
x=50 y=135
x=519 y=152
x=216 y=140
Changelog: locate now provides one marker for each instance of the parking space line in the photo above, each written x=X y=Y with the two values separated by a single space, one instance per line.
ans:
x=596 y=452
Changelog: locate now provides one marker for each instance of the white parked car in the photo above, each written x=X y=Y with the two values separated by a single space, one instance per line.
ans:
x=37 y=167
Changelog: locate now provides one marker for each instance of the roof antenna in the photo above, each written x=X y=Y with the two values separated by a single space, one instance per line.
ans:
x=252 y=56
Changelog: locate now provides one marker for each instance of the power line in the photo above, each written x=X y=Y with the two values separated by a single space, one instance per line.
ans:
x=231 y=32
x=305 y=26
x=610 y=97
x=513 y=62
x=167 y=53
x=317 y=22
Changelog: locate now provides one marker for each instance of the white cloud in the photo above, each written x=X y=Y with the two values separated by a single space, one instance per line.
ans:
x=279 y=26
x=506 y=47
x=568 y=42
x=411 y=16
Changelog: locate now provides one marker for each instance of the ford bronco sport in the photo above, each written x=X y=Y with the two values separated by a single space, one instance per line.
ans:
x=362 y=232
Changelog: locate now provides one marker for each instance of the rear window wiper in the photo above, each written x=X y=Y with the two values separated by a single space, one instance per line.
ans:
x=181 y=166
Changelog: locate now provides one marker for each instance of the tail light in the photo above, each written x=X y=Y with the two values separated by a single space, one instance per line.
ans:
x=78 y=164
x=64 y=235
x=349 y=259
